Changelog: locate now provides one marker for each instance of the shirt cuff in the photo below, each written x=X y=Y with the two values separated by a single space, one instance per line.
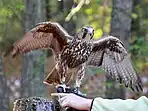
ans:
x=91 y=104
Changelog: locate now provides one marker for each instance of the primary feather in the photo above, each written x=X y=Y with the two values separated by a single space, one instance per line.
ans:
x=44 y=35
x=110 y=54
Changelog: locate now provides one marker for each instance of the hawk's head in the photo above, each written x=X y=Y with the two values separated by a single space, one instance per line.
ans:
x=86 y=33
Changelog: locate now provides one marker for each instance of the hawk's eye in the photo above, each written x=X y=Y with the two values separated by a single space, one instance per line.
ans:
x=84 y=30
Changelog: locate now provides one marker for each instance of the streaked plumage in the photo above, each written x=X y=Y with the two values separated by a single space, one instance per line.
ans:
x=109 y=53
x=74 y=54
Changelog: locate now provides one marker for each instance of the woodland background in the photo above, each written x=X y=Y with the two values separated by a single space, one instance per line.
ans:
x=23 y=76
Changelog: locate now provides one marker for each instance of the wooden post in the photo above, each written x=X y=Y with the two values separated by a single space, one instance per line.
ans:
x=33 y=104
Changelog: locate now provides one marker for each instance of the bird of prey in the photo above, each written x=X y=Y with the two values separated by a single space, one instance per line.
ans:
x=74 y=53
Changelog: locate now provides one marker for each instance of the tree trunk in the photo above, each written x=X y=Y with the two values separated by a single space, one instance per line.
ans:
x=65 y=7
x=4 y=96
x=70 y=26
x=136 y=21
x=121 y=28
x=33 y=62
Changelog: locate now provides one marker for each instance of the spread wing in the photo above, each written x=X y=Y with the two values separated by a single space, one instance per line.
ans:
x=110 y=54
x=43 y=35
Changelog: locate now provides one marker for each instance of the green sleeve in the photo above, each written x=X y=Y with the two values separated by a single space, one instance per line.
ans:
x=100 y=104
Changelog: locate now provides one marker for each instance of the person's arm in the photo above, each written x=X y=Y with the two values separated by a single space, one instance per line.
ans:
x=100 y=104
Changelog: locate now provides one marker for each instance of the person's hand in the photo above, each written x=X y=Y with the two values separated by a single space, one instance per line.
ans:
x=74 y=101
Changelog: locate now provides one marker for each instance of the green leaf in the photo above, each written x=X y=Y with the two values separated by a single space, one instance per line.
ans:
x=89 y=11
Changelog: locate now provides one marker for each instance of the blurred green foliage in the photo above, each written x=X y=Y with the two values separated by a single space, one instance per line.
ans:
x=139 y=53
x=96 y=13
x=39 y=62
x=139 y=40
x=11 y=20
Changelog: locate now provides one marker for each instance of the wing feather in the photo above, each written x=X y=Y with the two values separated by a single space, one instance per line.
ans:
x=43 y=35
x=110 y=54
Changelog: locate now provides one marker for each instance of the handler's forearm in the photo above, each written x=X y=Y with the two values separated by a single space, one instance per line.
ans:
x=100 y=104
x=87 y=104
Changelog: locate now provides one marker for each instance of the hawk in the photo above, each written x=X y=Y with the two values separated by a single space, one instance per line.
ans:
x=74 y=53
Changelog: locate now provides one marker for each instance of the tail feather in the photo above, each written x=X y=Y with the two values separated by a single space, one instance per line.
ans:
x=55 y=78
